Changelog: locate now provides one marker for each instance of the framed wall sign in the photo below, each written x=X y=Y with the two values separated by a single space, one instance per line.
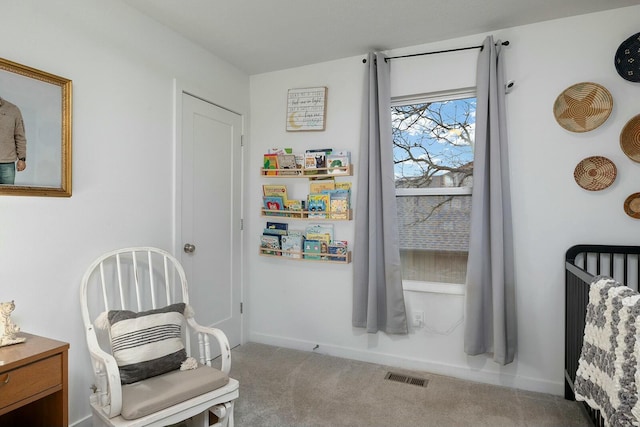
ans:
x=306 y=109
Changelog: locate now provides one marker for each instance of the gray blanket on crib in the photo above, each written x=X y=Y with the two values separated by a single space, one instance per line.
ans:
x=607 y=377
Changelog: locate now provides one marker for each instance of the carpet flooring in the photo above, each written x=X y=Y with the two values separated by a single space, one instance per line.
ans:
x=288 y=388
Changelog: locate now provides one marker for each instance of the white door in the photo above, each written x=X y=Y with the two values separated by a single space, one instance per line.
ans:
x=209 y=200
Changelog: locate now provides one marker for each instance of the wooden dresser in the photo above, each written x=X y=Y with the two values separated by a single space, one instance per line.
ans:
x=34 y=383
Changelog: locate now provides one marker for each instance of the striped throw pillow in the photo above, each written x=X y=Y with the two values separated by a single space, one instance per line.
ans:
x=148 y=343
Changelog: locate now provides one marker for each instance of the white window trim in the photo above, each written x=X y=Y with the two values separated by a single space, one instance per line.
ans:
x=417 y=285
x=442 y=191
x=447 y=95
x=434 y=287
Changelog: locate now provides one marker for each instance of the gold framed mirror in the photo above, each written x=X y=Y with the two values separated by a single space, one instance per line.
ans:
x=42 y=102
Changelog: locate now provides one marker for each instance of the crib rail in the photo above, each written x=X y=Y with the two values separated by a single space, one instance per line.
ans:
x=619 y=262
x=577 y=297
x=582 y=264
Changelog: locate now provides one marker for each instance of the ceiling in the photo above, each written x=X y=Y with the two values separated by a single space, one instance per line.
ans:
x=259 y=36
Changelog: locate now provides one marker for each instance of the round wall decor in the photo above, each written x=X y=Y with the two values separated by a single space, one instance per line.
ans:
x=632 y=205
x=583 y=107
x=595 y=173
x=630 y=139
x=627 y=59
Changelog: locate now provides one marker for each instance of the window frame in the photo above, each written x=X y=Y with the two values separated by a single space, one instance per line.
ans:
x=449 y=95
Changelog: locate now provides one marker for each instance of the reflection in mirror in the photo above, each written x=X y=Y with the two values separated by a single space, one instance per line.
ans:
x=42 y=103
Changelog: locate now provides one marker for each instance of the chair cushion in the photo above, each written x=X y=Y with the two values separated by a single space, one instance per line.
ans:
x=159 y=392
x=147 y=343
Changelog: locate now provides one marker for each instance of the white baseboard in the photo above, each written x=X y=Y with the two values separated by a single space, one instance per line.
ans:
x=84 y=422
x=456 y=371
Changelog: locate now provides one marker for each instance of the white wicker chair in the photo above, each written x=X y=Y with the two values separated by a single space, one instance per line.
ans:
x=141 y=279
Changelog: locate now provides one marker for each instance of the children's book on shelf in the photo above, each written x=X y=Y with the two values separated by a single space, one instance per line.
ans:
x=294 y=232
x=316 y=159
x=270 y=244
x=276 y=228
x=292 y=246
x=338 y=247
x=310 y=164
x=320 y=156
x=320 y=185
x=320 y=229
x=277 y=190
x=324 y=240
x=312 y=249
x=339 y=203
x=287 y=161
x=274 y=232
x=343 y=185
x=321 y=236
x=273 y=203
x=338 y=159
x=339 y=244
x=279 y=150
x=294 y=205
x=277 y=225
x=270 y=162
x=318 y=205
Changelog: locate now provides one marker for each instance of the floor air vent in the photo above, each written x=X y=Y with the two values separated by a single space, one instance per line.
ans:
x=420 y=382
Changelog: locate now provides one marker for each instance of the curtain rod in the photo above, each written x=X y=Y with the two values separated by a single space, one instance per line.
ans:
x=504 y=43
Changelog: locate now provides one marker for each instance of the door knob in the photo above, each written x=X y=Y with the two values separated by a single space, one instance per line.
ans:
x=189 y=248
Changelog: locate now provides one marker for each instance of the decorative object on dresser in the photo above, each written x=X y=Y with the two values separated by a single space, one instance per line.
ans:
x=8 y=329
x=583 y=107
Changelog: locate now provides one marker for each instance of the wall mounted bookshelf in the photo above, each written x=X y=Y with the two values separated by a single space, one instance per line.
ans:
x=327 y=258
x=288 y=214
x=316 y=208
x=315 y=173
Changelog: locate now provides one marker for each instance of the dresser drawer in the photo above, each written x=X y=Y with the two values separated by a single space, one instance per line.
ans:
x=29 y=380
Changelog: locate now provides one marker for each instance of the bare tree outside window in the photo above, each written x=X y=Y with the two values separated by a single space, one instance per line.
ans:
x=433 y=161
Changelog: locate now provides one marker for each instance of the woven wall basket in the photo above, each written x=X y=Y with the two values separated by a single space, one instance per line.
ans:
x=595 y=173
x=627 y=59
x=632 y=205
x=630 y=139
x=583 y=107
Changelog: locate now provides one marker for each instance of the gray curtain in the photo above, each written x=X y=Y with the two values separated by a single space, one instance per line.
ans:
x=378 y=300
x=490 y=300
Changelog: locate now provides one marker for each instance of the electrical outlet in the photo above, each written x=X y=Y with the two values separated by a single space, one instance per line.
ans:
x=418 y=319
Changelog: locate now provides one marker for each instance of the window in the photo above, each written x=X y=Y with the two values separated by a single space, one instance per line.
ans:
x=433 y=160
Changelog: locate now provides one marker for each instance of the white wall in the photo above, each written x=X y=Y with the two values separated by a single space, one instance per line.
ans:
x=122 y=66
x=301 y=305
